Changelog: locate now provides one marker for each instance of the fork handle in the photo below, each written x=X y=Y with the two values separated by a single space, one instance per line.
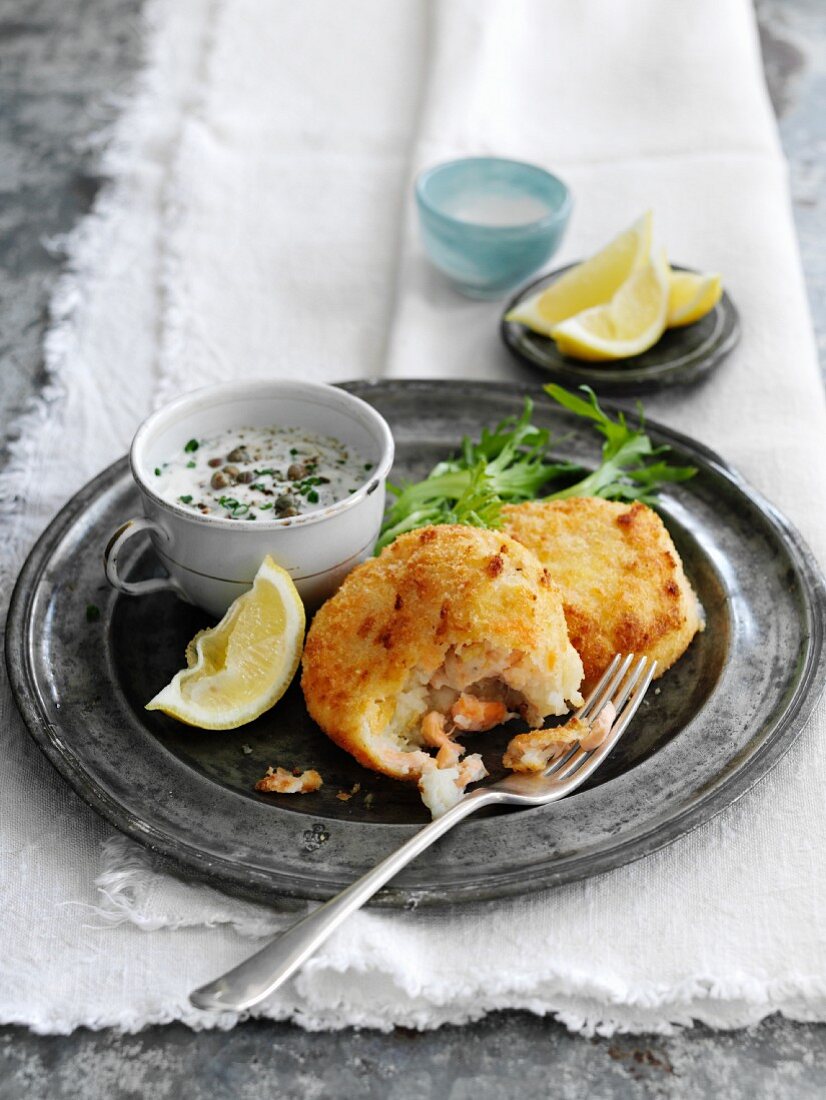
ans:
x=261 y=974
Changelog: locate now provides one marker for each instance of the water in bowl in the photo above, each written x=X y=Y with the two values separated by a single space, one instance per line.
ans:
x=496 y=208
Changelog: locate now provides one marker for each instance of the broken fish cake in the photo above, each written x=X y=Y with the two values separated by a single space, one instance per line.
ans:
x=451 y=629
x=622 y=582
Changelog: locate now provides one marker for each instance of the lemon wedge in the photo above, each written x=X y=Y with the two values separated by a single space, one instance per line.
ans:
x=630 y=323
x=591 y=283
x=241 y=667
x=691 y=296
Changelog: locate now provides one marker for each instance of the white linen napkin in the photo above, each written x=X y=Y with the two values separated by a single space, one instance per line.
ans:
x=260 y=224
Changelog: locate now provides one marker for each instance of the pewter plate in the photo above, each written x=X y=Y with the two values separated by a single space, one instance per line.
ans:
x=717 y=722
x=680 y=357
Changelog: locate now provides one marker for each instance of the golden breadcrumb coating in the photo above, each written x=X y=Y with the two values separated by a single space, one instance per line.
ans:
x=621 y=578
x=452 y=619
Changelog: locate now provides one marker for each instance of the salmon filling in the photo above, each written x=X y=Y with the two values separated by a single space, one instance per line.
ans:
x=280 y=781
x=476 y=688
x=536 y=750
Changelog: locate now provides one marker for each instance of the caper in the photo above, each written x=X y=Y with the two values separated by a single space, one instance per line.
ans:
x=231 y=471
x=245 y=477
x=238 y=454
x=296 y=471
x=215 y=462
x=219 y=480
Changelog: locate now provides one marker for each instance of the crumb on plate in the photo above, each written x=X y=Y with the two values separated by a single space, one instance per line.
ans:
x=283 y=782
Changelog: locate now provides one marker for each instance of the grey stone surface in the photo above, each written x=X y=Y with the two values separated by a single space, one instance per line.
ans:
x=505 y=1055
x=61 y=64
x=793 y=37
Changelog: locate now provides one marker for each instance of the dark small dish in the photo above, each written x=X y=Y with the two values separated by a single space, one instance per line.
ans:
x=680 y=357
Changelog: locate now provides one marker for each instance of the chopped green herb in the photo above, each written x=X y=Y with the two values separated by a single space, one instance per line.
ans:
x=235 y=507
x=191 y=446
x=293 y=451
x=191 y=465
x=255 y=485
x=187 y=499
x=368 y=466
x=305 y=487
x=264 y=507
x=312 y=496
x=92 y=613
x=157 y=471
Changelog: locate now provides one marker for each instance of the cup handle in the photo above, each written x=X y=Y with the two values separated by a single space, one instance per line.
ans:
x=113 y=549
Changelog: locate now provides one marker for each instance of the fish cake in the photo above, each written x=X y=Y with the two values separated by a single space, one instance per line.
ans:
x=622 y=582
x=450 y=629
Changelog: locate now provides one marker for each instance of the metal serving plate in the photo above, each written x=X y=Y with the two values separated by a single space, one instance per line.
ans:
x=720 y=718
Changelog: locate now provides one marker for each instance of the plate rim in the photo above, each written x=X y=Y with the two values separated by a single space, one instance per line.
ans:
x=727 y=787
x=614 y=381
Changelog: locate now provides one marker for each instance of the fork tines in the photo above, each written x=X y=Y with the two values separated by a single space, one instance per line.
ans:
x=624 y=687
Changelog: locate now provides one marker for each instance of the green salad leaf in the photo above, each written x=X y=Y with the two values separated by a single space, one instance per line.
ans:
x=628 y=470
x=510 y=464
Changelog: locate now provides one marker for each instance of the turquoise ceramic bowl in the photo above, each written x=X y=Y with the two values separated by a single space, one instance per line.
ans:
x=490 y=223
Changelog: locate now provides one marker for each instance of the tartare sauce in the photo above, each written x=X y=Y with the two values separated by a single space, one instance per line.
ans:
x=260 y=473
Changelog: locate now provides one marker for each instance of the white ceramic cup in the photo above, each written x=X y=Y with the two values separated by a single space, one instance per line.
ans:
x=211 y=560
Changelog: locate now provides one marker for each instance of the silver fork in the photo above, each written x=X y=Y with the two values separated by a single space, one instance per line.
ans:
x=261 y=974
